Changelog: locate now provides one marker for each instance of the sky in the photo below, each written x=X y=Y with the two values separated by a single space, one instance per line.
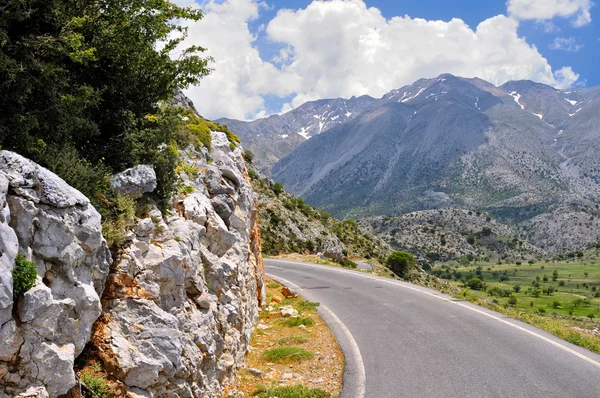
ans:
x=271 y=56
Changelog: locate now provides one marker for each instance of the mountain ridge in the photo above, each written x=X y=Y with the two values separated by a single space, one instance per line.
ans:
x=524 y=152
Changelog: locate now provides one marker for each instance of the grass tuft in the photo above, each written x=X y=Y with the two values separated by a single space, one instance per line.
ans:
x=287 y=354
x=297 y=391
x=291 y=322
x=97 y=385
x=308 y=306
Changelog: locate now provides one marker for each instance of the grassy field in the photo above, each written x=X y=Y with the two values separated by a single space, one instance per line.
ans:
x=567 y=289
x=562 y=298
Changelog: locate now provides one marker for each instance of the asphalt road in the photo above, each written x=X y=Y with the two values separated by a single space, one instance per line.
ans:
x=402 y=340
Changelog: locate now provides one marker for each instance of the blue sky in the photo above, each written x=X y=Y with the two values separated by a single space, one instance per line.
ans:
x=273 y=55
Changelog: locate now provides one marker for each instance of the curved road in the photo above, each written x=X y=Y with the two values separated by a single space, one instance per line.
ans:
x=402 y=340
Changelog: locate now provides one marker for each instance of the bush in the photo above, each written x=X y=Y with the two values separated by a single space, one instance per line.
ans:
x=277 y=188
x=400 y=262
x=297 y=391
x=287 y=354
x=118 y=213
x=96 y=384
x=512 y=300
x=475 y=284
x=347 y=263
x=23 y=275
x=248 y=156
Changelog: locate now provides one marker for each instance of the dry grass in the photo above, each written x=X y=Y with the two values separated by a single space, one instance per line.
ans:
x=323 y=371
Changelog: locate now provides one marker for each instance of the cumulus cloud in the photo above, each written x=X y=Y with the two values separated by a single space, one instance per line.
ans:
x=541 y=10
x=240 y=77
x=565 y=77
x=340 y=48
x=566 y=44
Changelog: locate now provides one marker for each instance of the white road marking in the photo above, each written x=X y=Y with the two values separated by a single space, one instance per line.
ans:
x=355 y=354
x=436 y=295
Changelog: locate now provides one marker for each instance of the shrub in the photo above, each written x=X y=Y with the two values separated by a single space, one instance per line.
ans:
x=346 y=262
x=248 y=156
x=287 y=354
x=96 y=384
x=297 y=391
x=555 y=304
x=118 y=215
x=277 y=188
x=400 y=262
x=23 y=275
x=475 y=284
x=512 y=300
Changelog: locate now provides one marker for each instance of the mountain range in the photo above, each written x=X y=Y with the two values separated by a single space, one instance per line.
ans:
x=524 y=152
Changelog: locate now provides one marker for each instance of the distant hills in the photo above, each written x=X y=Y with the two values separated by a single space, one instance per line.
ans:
x=524 y=152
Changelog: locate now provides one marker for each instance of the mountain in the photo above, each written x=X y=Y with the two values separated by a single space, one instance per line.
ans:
x=524 y=152
x=274 y=137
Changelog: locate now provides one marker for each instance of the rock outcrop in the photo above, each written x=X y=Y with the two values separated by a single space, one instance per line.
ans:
x=43 y=330
x=168 y=313
x=184 y=291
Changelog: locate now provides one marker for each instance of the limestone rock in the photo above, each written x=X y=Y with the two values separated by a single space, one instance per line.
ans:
x=57 y=229
x=288 y=311
x=288 y=293
x=135 y=181
x=181 y=303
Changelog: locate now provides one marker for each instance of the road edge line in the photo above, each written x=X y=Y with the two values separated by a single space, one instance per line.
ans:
x=354 y=368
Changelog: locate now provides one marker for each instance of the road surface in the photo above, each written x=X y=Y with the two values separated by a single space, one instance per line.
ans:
x=402 y=340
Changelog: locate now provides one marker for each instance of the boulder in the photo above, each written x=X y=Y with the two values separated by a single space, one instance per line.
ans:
x=55 y=227
x=135 y=181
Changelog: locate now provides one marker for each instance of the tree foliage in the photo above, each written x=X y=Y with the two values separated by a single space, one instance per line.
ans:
x=79 y=77
x=400 y=262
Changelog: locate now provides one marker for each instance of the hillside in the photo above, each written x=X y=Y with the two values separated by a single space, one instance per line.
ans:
x=452 y=234
x=288 y=225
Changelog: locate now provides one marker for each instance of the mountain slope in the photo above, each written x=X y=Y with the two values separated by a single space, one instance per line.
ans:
x=274 y=137
x=525 y=152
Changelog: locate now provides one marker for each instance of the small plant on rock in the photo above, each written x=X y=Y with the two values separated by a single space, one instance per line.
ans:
x=23 y=275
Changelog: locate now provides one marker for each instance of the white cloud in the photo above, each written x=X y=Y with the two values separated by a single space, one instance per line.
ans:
x=566 y=44
x=565 y=77
x=240 y=77
x=340 y=48
x=540 y=10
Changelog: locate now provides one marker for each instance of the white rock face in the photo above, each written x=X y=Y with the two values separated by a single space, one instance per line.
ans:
x=45 y=329
x=135 y=181
x=183 y=296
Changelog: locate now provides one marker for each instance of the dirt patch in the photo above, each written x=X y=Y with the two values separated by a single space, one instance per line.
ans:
x=323 y=371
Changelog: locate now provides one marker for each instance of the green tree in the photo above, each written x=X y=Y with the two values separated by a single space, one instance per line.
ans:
x=517 y=288
x=475 y=284
x=400 y=262
x=82 y=75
